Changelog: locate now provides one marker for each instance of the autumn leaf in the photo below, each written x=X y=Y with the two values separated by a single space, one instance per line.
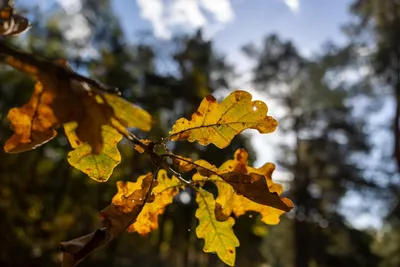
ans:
x=218 y=236
x=87 y=112
x=166 y=189
x=254 y=184
x=97 y=166
x=183 y=164
x=32 y=123
x=228 y=202
x=220 y=123
x=127 y=205
x=128 y=114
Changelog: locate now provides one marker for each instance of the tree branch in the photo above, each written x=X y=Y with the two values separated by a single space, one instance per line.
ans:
x=46 y=65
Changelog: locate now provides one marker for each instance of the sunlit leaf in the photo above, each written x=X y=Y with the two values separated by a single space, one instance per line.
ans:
x=128 y=114
x=128 y=203
x=166 y=189
x=97 y=166
x=33 y=123
x=254 y=184
x=228 y=202
x=218 y=236
x=220 y=123
x=94 y=119
x=183 y=164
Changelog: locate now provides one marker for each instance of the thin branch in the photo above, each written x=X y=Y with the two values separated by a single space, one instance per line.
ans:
x=49 y=66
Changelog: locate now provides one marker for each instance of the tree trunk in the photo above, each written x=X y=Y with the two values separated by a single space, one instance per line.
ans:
x=396 y=124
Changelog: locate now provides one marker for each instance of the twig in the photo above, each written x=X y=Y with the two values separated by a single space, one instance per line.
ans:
x=48 y=66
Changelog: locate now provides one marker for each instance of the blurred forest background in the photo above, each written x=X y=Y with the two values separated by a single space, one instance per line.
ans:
x=337 y=143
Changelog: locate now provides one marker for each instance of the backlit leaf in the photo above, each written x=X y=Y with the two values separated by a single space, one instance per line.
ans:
x=97 y=166
x=128 y=114
x=218 y=236
x=220 y=123
x=128 y=203
x=88 y=113
x=32 y=123
x=166 y=189
x=254 y=184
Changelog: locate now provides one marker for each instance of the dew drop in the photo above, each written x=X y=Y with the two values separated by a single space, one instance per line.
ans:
x=133 y=201
x=189 y=230
x=250 y=216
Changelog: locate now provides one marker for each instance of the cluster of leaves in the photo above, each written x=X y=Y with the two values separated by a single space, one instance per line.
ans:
x=95 y=119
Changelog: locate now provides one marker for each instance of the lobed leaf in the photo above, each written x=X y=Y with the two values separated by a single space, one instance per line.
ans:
x=254 y=184
x=32 y=123
x=164 y=193
x=220 y=123
x=97 y=166
x=218 y=236
x=88 y=113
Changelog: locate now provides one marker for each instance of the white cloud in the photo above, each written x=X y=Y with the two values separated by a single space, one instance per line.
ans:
x=294 y=5
x=70 y=6
x=77 y=27
x=187 y=15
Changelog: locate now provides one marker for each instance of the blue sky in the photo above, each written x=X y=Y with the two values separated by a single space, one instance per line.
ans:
x=309 y=26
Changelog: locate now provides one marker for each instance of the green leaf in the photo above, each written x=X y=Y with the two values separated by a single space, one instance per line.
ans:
x=98 y=166
x=218 y=236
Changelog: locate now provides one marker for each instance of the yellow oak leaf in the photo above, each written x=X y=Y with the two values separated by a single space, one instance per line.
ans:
x=220 y=123
x=228 y=202
x=98 y=166
x=128 y=114
x=218 y=236
x=254 y=184
x=32 y=123
x=130 y=194
x=166 y=189
x=183 y=164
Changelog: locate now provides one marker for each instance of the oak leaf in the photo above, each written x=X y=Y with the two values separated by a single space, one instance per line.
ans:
x=62 y=100
x=220 y=123
x=254 y=184
x=218 y=236
x=98 y=166
x=163 y=194
x=32 y=123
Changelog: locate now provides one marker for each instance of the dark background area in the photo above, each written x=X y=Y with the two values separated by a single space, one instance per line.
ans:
x=325 y=146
